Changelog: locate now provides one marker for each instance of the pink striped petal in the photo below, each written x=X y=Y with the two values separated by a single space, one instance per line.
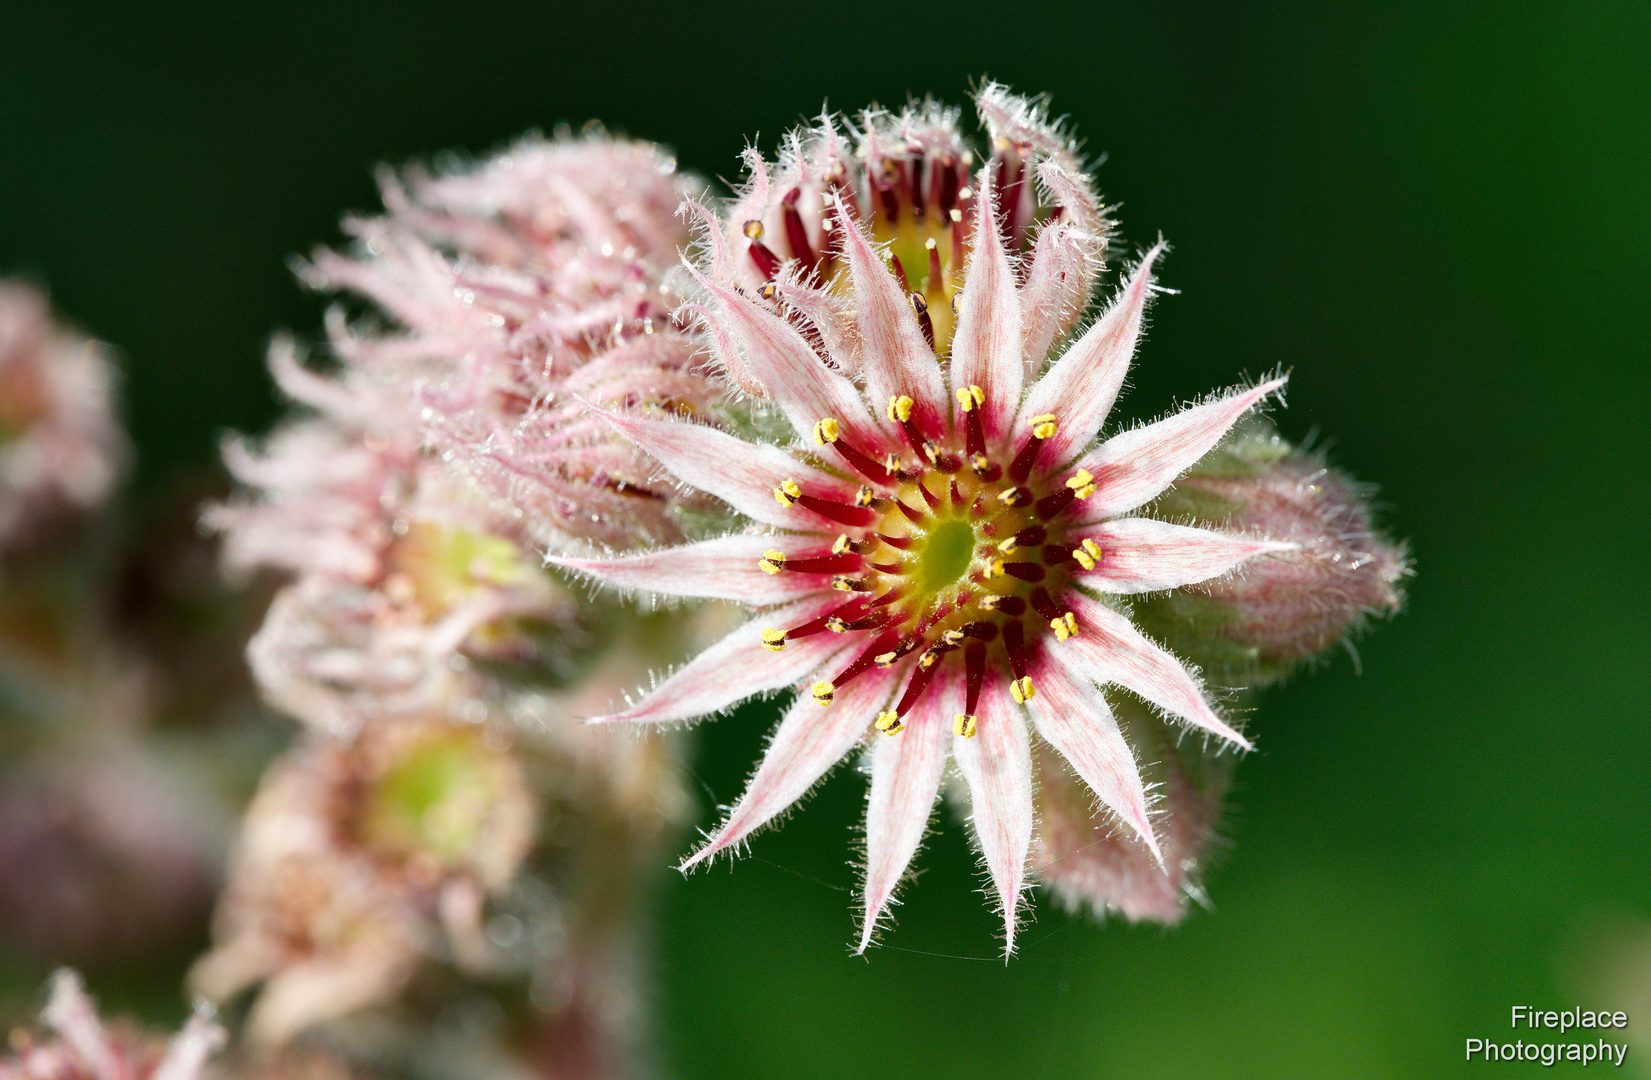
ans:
x=986 y=349
x=1133 y=468
x=1058 y=274
x=894 y=357
x=1109 y=649
x=1082 y=385
x=725 y=568
x=905 y=779
x=740 y=473
x=737 y=667
x=790 y=370
x=997 y=765
x=808 y=742
x=1073 y=717
x=1142 y=555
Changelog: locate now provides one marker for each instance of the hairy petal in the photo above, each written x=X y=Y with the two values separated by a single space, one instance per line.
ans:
x=742 y=474
x=894 y=357
x=905 y=779
x=1058 y=275
x=1082 y=385
x=997 y=765
x=1143 y=555
x=725 y=568
x=1073 y=717
x=1134 y=467
x=808 y=742
x=986 y=350
x=1109 y=649
x=737 y=667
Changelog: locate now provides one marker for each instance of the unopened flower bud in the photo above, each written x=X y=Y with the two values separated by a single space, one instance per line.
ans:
x=1256 y=626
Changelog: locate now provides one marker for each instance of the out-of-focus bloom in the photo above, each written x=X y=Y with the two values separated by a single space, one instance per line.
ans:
x=544 y=278
x=938 y=559
x=83 y=1048
x=354 y=857
x=1255 y=628
x=61 y=447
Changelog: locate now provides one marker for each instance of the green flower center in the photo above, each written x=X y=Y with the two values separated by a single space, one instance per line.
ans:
x=947 y=551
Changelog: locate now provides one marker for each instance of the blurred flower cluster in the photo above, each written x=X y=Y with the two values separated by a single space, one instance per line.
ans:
x=839 y=433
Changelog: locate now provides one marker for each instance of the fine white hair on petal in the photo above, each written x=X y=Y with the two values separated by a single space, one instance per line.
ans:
x=986 y=349
x=905 y=781
x=1145 y=555
x=1135 y=466
x=723 y=568
x=808 y=742
x=996 y=763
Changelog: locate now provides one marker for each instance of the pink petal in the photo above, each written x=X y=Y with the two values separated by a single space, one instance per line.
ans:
x=808 y=742
x=1133 y=468
x=1058 y=272
x=894 y=357
x=725 y=568
x=905 y=779
x=1142 y=555
x=986 y=350
x=1073 y=717
x=997 y=765
x=737 y=667
x=1109 y=649
x=1081 y=386
x=742 y=474
x=791 y=371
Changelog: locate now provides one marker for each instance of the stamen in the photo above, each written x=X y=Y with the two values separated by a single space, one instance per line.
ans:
x=1051 y=505
x=928 y=497
x=795 y=234
x=864 y=496
x=863 y=662
x=1015 y=496
x=1022 y=690
x=889 y=723
x=856 y=516
x=1088 y=555
x=900 y=407
x=766 y=262
x=1009 y=545
x=772 y=561
x=887 y=659
x=773 y=639
x=1032 y=535
x=752 y=229
x=899 y=270
x=820 y=564
x=852 y=454
x=1014 y=641
x=936 y=283
x=964 y=726
x=1045 y=426
x=822 y=623
x=889 y=597
x=975 y=438
x=1065 y=626
x=769 y=291
x=921 y=306
x=787 y=493
x=1025 y=571
x=974 y=673
x=1043 y=604
x=824 y=693
x=845 y=583
x=889 y=567
x=916 y=517
x=982 y=466
x=826 y=431
x=994 y=569
x=1056 y=554
x=1081 y=484
x=900 y=543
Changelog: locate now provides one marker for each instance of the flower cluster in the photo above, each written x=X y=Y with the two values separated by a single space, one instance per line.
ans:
x=81 y=1047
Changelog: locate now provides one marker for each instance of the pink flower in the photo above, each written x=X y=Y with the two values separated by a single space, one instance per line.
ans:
x=941 y=559
x=86 y=1049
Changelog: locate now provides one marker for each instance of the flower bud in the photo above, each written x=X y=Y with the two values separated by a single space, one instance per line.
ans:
x=1256 y=626
x=82 y=1047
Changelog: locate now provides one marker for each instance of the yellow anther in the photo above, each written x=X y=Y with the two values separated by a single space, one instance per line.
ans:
x=965 y=400
x=929 y=244
x=918 y=304
x=1014 y=496
x=990 y=602
x=769 y=291
x=1082 y=484
x=788 y=493
x=824 y=692
x=773 y=639
x=772 y=561
x=837 y=625
x=886 y=659
x=1065 y=626
x=826 y=431
x=900 y=407
x=892 y=462
x=1045 y=426
x=981 y=464
x=865 y=496
x=931 y=451
x=952 y=637
x=1008 y=546
x=844 y=583
x=1022 y=690
x=964 y=725
x=889 y=723
x=752 y=229
x=994 y=568
x=928 y=659
x=1084 y=558
x=1093 y=549
x=955 y=214
x=842 y=545
x=964 y=194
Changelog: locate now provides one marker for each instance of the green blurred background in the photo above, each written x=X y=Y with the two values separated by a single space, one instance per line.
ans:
x=1436 y=217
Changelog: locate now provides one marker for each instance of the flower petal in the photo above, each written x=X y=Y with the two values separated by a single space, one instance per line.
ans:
x=789 y=369
x=997 y=765
x=1109 y=649
x=894 y=357
x=1142 y=555
x=1059 y=269
x=986 y=349
x=726 y=568
x=1132 y=468
x=808 y=742
x=905 y=779
x=1074 y=718
x=742 y=474
x=1081 y=386
x=737 y=667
